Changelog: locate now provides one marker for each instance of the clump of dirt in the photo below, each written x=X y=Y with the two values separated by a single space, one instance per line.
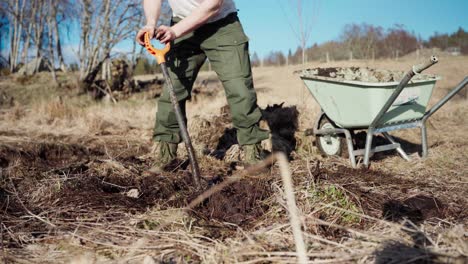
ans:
x=361 y=74
x=283 y=124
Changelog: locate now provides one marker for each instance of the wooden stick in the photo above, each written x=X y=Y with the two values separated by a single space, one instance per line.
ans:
x=292 y=208
x=1 y=243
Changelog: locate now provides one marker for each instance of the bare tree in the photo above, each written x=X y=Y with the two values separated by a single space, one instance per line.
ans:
x=302 y=27
x=61 y=12
x=362 y=40
x=39 y=26
x=52 y=13
x=25 y=18
x=14 y=11
x=104 y=23
x=398 y=41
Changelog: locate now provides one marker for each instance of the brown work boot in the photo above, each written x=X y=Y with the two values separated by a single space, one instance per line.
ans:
x=166 y=157
x=253 y=154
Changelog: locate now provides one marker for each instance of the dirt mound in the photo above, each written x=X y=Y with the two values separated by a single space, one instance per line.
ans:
x=217 y=134
x=361 y=74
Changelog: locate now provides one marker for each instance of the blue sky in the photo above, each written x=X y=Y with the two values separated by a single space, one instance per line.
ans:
x=268 y=23
x=268 y=28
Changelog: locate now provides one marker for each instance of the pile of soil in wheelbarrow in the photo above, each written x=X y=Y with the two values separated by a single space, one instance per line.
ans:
x=361 y=74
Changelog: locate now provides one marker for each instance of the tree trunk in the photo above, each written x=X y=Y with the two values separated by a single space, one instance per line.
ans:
x=16 y=32
x=39 y=32
x=90 y=77
x=84 y=45
x=11 y=56
x=58 y=46
x=50 y=18
x=29 y=32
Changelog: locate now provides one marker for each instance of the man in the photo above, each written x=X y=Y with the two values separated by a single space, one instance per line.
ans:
x=203 y=29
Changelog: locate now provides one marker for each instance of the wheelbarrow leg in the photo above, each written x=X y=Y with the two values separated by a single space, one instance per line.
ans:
x=424 y=140
x=370 y=135
x=399 y=149
x=349 y=142
x=348 y=137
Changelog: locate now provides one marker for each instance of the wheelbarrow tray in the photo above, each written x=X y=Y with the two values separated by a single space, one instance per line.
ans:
x=355 y=104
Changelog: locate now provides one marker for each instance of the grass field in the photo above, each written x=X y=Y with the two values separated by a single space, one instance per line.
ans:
x=72 y=188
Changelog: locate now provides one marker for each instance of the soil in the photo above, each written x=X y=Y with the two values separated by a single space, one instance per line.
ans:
x=393 y=198
x=87 y=180
x=361 y=74
x=67 y=181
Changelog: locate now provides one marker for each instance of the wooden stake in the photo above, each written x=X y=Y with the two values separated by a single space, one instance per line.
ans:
x=292 y=208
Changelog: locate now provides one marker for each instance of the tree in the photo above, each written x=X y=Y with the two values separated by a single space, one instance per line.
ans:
x=255 y=60
x=458 y=39
x=14 y=11
x=398 y=41
x=35 y=24
x=103 y=24
x=275 y=58
x=362 y=40
x=302 y=27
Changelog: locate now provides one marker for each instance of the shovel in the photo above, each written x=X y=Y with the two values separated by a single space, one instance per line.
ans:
x=159 y=54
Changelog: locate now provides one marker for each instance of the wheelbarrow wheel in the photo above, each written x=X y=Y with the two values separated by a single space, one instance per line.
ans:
x=331 y=145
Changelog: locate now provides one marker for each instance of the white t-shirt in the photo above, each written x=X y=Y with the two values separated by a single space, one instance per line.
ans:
x=183 y=8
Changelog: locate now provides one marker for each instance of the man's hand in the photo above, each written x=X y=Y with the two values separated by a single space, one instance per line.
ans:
x=165 y=34
x=140 y=37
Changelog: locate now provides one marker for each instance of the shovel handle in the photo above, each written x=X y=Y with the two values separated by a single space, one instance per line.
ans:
x=159 y=54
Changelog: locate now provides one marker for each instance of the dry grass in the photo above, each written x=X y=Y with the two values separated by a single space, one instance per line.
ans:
x=67 y=164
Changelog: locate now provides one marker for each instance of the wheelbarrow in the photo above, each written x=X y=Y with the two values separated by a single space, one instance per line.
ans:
x=348 y=106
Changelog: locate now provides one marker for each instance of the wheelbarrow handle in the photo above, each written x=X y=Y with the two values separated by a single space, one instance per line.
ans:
x=159 y=54
x=417 y=69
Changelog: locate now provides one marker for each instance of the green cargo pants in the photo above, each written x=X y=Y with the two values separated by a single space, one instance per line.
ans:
x=225 y=45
